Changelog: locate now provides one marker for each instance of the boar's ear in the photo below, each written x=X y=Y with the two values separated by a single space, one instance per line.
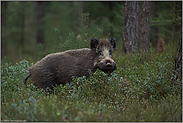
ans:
x=113 y=42
x=94 y=43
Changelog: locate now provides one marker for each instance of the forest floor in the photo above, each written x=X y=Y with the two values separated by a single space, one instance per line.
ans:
x=143 y=88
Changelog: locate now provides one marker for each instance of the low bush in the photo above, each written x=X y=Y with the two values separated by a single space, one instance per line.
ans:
x=143 y=88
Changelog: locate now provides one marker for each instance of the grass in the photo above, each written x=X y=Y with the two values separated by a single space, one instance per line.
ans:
x=143 y=88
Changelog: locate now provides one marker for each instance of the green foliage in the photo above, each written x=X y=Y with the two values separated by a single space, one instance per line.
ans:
x=19 y=34
x=67 y=41
x=40 y=51
x=168 y=20
x=118 y=25
x=143 y=88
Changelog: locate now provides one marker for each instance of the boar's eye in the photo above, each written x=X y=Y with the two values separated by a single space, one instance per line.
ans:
x=100 y=52
x=110 y=52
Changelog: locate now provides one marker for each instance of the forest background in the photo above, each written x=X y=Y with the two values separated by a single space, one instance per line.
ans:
x=29 y=28
x=146 y=86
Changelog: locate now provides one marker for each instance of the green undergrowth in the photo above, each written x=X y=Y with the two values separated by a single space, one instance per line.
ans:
x=143 y=88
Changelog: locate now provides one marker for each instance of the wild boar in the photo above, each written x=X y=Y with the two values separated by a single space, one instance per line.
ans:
x=58 y=68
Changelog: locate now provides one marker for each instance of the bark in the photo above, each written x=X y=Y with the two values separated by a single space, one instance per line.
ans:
x=144 y=27
x=131 y=26
x=39 y=21
x=4 y=6
x=178 y=60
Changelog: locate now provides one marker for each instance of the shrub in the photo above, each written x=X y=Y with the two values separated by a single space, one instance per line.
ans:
x=143 y=88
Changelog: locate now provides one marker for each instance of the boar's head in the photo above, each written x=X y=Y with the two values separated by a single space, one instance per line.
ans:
x=103 y=50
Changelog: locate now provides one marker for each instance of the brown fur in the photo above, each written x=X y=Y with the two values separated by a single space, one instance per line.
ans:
x=58 y=68
x=160 y=45
x=104 y=47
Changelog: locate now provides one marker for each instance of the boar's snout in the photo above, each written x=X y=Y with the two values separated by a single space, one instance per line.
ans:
x=107 y=65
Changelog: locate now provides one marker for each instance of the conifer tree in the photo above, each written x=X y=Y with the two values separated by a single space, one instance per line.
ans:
x=131 y=26
x=144 y=26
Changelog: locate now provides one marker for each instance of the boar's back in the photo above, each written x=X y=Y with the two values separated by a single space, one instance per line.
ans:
x=58 y=68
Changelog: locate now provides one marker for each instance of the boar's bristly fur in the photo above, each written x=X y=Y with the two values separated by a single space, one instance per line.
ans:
x=58 y=68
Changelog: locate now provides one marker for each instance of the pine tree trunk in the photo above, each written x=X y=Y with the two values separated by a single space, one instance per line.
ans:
x=39 y=21
x=144 y=27
x=178 y=60
x=131 y=26
x=4 y=6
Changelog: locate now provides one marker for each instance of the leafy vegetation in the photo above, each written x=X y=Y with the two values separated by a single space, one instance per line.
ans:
x=143 y=88
x=165 y=22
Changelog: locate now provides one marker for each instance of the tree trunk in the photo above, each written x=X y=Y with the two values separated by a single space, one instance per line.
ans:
x=144 y=27
x=39 y=21
x=4 y=6
x=131 y=26
x=178 y=60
